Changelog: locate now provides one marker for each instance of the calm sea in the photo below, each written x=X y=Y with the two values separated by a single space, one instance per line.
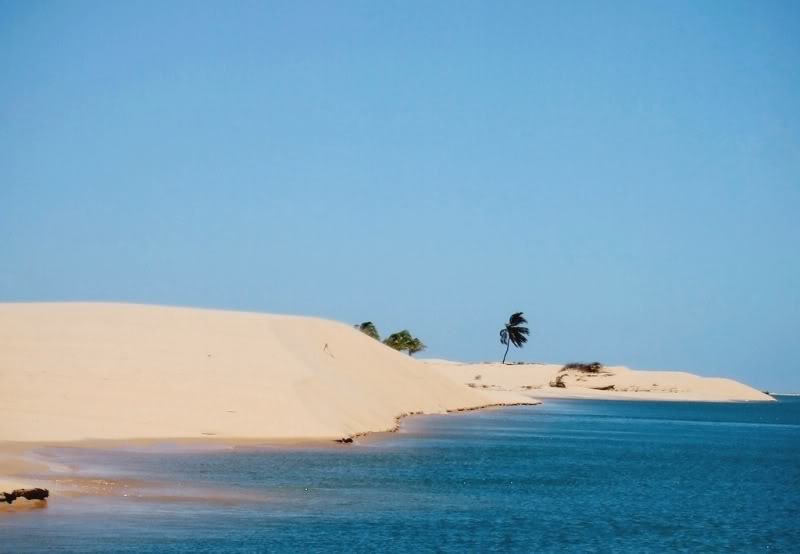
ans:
x=579 y=476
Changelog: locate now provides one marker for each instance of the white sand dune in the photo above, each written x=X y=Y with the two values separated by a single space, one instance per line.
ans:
x=120 y=372
x=73 y=371
x=535 y=379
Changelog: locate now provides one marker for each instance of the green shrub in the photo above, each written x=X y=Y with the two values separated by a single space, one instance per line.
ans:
x=593 y=367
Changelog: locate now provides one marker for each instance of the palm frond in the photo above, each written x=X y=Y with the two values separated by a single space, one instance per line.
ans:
x=516 y=319
x=415 y=346
x=503 y=336
x=517 y=337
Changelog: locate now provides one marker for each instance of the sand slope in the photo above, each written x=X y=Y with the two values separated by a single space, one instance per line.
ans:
x=534 y=380
x=72 y=371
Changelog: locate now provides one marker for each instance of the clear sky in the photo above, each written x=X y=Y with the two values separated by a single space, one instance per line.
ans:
x=625 y=173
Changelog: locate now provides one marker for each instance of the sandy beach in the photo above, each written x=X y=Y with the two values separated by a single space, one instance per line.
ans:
x=610 y=383
x=80 y=373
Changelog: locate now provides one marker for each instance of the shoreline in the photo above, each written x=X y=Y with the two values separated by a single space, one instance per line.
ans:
x=66 y=481
x=50 y=473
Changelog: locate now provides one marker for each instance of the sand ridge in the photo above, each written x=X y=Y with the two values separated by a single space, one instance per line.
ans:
x=120 y=371
x=628 y=384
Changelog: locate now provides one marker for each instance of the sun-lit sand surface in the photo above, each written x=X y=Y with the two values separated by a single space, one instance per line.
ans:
x=76 y=371
x=115 y=371
x=120 y=372
x=628 y=384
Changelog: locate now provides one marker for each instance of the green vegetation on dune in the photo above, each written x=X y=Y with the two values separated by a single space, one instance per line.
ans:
x=400 y=341
x=404 y=340
x=514 y=332
x=369 y=329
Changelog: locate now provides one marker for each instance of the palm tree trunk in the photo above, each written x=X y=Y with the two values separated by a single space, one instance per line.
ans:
x=508 y=345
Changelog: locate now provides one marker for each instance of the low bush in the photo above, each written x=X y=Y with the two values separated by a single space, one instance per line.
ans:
x=593 y=367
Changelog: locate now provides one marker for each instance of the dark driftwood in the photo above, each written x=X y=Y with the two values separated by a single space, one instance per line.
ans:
x=29 y=494
x=609 y=387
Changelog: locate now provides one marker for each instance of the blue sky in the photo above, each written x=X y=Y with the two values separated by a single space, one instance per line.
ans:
x=626 y=173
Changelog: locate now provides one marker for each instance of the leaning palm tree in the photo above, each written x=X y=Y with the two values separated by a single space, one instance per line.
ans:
x=369 y=329
x=514 y=332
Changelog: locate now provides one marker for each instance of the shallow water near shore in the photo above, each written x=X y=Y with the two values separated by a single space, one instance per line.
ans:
x=568 y=475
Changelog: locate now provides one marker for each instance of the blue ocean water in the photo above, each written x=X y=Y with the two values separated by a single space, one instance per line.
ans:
x=566 y=476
